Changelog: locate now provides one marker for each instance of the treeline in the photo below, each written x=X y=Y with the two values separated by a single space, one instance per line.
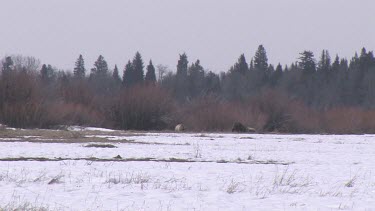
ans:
x=309 y=96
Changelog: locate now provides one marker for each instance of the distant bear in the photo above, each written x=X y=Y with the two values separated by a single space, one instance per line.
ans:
x=179 y=128
x=251 y=130
x=239 y=128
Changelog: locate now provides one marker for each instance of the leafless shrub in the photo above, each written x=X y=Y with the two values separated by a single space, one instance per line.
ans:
x=213 y=114
x=142 y=108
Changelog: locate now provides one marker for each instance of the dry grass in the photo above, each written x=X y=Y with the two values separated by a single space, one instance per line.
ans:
x=26 y=206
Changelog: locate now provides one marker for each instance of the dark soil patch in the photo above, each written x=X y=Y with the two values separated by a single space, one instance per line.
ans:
x=101 y=146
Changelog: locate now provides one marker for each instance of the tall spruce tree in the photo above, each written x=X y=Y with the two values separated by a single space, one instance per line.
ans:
x=276 y=75
x=100 y=69
x=138 y=66
x=128 y=76
x=182 y=84
x=182 y=65
x=79 y=69
x=307 y=62
x=44 y=73
x=116 y=75
x=324 y=64
x=336 y=64
x=196 y=79
x=241 y=66
x=47 y=73
x=261 y=59
x=150 y=74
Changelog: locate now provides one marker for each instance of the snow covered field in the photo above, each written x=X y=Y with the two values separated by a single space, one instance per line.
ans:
x=95 y=169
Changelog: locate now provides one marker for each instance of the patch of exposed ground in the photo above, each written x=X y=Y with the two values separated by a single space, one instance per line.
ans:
x=64 y=136
x=147 y=159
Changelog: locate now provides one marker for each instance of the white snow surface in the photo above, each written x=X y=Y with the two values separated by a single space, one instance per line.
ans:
x=80 y=128
x=296 y=172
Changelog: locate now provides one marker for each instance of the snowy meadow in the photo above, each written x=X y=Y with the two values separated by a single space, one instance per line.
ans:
x=98 y=169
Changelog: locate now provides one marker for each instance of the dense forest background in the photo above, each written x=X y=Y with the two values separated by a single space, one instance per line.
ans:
x=313 y=95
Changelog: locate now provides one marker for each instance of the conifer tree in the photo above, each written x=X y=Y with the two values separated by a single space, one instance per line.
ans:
x=196 y=79
x=344 y=67
x=286 y=68
x=336 y=64
x=150 y=75
x=79 y=69
x=324 y=64
x=260 y=59
x=241 y=66
x=100 y=68
x=44 y=73
x=116 y=76
x=128 y=76
x=182 y=84
x=307 y=62
x=138 y=69
x=182 y=65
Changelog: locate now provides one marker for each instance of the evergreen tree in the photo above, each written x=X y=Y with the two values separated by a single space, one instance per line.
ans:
x=260 y=59
x=116 y=76
x=44 y=73
x=354 y=62
x=196 y=79
x=276 y=75
x=47 y=73
x=182 y=84
x=324 y=69
x=336 y=64
x=79 y=69
x=366 y=60
x=286 y=68
x=241 y=66
x=182 y=65
x=150 y=75
x=212 y=83
x=270 y=71
x=128 y=76
x=324 y=64
x=138 y=69
x=344 y=67
x=100 y=69
x=307 y=62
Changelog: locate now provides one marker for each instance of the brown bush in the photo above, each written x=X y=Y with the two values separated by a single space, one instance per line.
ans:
x=142 y=107
x=212 y=114
x=77 y=91
x=21 y=102
x=60 y=113
x=283 y=114
x=348 y=120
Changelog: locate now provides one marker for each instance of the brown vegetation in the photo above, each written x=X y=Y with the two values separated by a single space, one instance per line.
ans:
x=27 y=101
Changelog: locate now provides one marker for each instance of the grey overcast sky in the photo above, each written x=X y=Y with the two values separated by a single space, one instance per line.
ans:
x=215 y=31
